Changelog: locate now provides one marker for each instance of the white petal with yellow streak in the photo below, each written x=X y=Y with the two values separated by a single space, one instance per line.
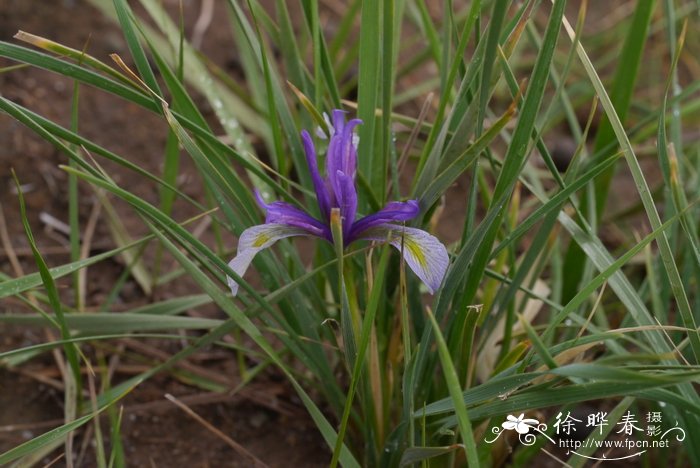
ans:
x=423 y=252
x=255 y=239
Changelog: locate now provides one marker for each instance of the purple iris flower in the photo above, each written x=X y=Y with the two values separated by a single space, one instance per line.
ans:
x=423 y=253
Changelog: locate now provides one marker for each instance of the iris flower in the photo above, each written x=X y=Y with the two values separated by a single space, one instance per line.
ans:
x=423 y=253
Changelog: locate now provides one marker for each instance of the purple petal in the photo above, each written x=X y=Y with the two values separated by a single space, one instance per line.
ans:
x=252 y=241
x=342 y=153
x=261 y=201
x=392 y=212
x=348 y=149
x=424 y=254
x=338 y=120
x=347 y=202
x=322 y=195
x=280 y=212
x=334 y=164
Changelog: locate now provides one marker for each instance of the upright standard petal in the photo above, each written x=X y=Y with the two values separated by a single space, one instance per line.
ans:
x=255 y=239
x=342 y=152
x=347 y=202
x=424 y=254
x=338 y=120
x=324 y=203
x=348 y=148
x=392 y=212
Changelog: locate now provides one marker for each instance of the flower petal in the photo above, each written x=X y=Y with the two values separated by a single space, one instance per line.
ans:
x=424 y=253
x=392 y=212
x=255 y=239
x=322 y=195
x=508 y=425
x=338 y=120
x=280 y=212
x=342 y=153
x=347 y=202
x=349 y=148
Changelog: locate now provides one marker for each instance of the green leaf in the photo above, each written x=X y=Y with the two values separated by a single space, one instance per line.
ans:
x=116 y=322
x=372 y=164
x=420 y=454
x=463 y=421
x=647 y=200
x=16 y=286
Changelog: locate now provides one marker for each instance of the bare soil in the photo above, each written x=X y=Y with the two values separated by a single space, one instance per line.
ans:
x=265 y=418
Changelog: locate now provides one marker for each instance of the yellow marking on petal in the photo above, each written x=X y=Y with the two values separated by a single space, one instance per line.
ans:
x=261 y=239
x=416 y=251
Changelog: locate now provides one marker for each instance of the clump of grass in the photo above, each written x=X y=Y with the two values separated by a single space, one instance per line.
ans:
x=536 y=314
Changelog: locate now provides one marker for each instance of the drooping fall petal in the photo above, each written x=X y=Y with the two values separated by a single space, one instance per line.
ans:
x=255 y=239
x=392 y=212
x=423 y=252
x=279 y=212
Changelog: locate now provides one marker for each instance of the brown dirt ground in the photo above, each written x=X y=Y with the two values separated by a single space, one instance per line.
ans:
x=266 y=418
